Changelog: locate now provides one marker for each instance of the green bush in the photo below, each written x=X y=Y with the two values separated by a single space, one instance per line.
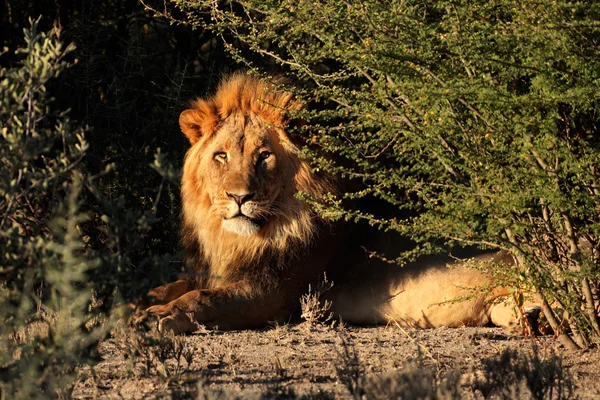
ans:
x=476 y=121
x=45 y=260
x=70 y=245
x=89 y=204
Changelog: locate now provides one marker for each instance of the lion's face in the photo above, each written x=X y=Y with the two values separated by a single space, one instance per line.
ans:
x=242 y=174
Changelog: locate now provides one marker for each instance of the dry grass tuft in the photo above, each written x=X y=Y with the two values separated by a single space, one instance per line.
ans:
x=519 y=374
x=512 y=374
x=151 y=353
x=315 y=311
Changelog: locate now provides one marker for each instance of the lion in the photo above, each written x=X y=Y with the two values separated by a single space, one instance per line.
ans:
x=252 y=246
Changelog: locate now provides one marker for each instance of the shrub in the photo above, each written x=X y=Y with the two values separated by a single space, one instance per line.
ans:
x=314 y=308
x=70 y=245
x=45 y=259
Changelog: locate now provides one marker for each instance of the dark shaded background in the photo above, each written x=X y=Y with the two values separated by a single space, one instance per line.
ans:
x=132 y=75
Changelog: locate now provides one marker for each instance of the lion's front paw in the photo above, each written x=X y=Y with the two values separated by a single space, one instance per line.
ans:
x=148 y=318
x=167 y=318
x=177 y=324
x=160 y=311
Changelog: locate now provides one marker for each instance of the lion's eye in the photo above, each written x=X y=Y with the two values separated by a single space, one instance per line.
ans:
x=221 y=156
x=264 y=155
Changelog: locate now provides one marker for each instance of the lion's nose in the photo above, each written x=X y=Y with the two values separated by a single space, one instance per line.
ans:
x=240 y=198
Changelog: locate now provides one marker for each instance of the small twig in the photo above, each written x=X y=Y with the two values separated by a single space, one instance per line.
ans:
x=421 y=346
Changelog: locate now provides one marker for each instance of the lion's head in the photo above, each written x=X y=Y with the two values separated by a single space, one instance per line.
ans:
x=243 y=171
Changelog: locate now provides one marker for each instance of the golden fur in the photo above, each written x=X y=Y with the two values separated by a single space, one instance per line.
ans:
x=252 y=247
x=236 y=98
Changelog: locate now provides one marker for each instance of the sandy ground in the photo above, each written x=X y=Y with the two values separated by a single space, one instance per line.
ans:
x=318 y=361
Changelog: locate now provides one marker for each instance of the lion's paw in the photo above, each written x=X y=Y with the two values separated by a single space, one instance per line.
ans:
x=148 y=318
x=177 y=324
x=160 y=310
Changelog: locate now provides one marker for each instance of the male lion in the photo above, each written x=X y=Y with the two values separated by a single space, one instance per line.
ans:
x=253 y=248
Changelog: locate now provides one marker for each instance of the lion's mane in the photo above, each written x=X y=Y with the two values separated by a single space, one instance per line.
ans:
x=219 y=256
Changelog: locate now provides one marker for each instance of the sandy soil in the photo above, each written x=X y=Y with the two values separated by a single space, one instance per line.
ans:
x=317 y=361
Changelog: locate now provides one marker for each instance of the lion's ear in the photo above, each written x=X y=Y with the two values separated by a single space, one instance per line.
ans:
x=190 y=122
x=199 y=121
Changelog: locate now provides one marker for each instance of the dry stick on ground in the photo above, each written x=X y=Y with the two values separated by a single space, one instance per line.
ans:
x=422 y=347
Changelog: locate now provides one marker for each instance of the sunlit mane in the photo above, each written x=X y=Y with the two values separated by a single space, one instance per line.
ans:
x=292 y=225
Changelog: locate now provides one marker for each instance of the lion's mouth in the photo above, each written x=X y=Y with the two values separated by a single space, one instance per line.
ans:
x=244 y=225
x=258 y=221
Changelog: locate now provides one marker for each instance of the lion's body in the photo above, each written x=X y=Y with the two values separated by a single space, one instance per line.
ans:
x=252 y=247
x=424 y=295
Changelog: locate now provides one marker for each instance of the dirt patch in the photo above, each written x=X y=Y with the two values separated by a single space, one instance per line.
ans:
x=322 y=362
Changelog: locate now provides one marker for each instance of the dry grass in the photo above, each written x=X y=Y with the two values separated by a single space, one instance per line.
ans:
x=314 y=310
x=289 y=361
x=150 y=353
x=518 y=374
x=510 y=375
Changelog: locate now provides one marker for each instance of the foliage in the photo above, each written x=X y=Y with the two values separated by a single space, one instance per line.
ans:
x=88 y=201
x=75 y=233
x=45 y=258
x=133 y=76
x=475 y=120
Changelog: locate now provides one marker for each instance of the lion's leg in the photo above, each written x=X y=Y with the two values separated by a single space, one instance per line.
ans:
x=169 y=292
x=228 y=307
x=504 y=315
x=160 y=295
